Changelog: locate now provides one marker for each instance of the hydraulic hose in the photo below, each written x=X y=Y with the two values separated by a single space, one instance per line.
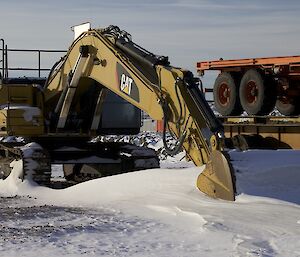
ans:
x=178 y=147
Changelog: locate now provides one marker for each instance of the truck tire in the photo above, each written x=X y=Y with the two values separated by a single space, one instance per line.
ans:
x=257 y=93
x=288 y=107
x=226 y=95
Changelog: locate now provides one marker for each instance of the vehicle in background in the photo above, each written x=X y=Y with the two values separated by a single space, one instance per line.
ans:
x=255 y=85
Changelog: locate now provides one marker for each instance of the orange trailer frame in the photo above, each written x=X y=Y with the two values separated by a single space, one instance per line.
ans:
x=280 y=63
x=251 y=81
x=280 y=131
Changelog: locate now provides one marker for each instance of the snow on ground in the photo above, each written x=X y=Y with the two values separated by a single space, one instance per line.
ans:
x=158 y=212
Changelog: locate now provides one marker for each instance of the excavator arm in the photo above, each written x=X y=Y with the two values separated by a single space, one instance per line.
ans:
x=109 y=57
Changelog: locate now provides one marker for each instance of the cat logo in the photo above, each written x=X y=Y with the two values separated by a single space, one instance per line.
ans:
x=126 y=84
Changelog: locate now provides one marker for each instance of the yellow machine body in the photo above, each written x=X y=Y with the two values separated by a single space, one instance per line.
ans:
x=107 y=59
x=21 y=112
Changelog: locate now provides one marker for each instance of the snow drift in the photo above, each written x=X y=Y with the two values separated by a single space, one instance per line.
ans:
x=162 y=213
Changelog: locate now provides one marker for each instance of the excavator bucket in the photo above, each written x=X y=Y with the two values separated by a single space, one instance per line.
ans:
x=217 y=180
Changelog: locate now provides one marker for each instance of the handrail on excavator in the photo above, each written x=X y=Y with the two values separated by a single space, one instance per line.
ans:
x=2 y=60
x=5 y=68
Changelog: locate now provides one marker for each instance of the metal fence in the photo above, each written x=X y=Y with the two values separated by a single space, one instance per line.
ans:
x=37 y=54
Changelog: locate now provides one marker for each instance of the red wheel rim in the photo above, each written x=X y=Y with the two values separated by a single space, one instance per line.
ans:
x=251 y=92
x=224 y=94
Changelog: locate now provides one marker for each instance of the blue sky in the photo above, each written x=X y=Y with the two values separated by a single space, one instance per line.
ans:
x=187 y=31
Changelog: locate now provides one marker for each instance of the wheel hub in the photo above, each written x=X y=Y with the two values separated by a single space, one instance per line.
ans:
x=224 y=94
x=251 y=92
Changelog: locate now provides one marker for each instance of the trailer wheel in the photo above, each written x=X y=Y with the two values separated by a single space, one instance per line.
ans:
x=287 y=106
x=226 y=96
x=257 y=93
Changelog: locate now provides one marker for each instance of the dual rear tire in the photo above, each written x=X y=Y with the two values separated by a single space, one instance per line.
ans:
x=254 y=92
x=226 y=94
x=257 y=93
x=288 y=106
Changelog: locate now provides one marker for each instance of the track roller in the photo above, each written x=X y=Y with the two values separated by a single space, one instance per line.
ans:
x=36 y=163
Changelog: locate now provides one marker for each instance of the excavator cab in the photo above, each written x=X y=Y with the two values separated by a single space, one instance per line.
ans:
x=22 y=111
x=29 y=128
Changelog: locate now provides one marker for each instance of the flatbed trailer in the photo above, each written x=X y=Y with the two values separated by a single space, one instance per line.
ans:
x=293 y=62
x=271 y=132
x=255 y=85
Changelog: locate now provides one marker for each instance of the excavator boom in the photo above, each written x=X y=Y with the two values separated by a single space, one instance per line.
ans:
x=111 y=59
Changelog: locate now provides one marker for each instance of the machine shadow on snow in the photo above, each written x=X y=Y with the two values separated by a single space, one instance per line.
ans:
x=268 y=173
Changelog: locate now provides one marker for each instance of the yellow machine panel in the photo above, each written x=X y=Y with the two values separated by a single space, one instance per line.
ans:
x=21 y=121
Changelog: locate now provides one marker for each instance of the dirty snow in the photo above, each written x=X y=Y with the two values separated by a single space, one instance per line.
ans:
x=158 y=212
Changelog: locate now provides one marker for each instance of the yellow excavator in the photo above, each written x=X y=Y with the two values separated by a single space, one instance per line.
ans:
x=57 y=120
